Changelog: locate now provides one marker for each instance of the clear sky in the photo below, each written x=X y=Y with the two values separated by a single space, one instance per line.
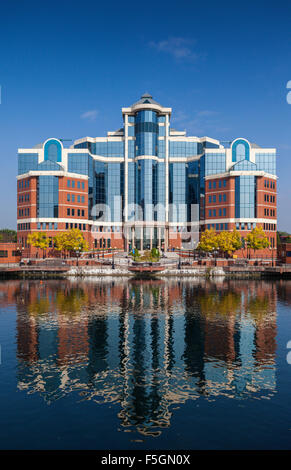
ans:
x=67 y=68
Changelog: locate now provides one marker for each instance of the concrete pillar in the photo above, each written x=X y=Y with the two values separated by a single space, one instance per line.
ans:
x=167 y=168
x=132 y=237
x=141 y=238
x=125 y=167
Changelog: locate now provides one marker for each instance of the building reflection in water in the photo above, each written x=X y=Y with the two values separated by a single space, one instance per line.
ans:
x=145 y=346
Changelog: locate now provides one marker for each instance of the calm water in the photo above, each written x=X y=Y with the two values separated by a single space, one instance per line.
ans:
x=123 y=364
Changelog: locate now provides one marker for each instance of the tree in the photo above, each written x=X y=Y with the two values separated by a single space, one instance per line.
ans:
x=236 y=240
x=60 y=242
x=8 y=235
x=135 y=254
x=208 y=241
x=155 y=254
x=257 y=239
x=73 y=240
x=228 y=242
x=38 y=240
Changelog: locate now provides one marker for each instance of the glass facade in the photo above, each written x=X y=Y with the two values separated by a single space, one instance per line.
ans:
x=245 y=196
x=266 y=162
x=178 y=192
x=27 y=162
x=146 y=133
x=47 y=196
x=215 y=163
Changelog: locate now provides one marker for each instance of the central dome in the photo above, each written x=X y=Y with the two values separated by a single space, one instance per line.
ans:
x=146 y=98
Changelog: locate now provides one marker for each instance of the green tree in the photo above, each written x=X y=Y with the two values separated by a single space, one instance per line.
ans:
x=135 y=254
x=155 y=254
x=38 y=240
x=8 y=235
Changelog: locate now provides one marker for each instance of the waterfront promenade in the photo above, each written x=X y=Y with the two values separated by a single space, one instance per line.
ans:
x=123 y=266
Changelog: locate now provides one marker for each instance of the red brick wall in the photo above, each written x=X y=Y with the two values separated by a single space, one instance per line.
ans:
x=11 y=252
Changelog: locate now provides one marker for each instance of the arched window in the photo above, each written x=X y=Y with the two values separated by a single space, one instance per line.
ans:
x=53 y=150
x=240 y=150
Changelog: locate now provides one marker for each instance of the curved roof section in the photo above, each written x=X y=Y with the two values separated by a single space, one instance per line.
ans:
x=244 y=165
x=49 y=165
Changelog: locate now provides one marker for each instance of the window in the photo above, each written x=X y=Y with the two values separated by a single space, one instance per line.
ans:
x=209 y=199
x=3 y=253
x=73 y=212
x=224 y=211
x=73 y=183
x=68 y=197
x=83 y=198
x=78 y=185
x=214 y=212
x=78 y=198
x=68 y=183
x=73 y=197
x=83 y=185
x=210 y=213
x=83 y=213
x=68 y=211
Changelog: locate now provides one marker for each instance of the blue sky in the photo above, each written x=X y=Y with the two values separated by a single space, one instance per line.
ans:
x=67 y=68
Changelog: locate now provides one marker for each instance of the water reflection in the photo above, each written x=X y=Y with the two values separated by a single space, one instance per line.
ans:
x=145 y=346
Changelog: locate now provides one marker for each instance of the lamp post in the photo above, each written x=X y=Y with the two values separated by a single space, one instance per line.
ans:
x=113 y=265
x=179 y=264
x=78 y=254
x=272 y=254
